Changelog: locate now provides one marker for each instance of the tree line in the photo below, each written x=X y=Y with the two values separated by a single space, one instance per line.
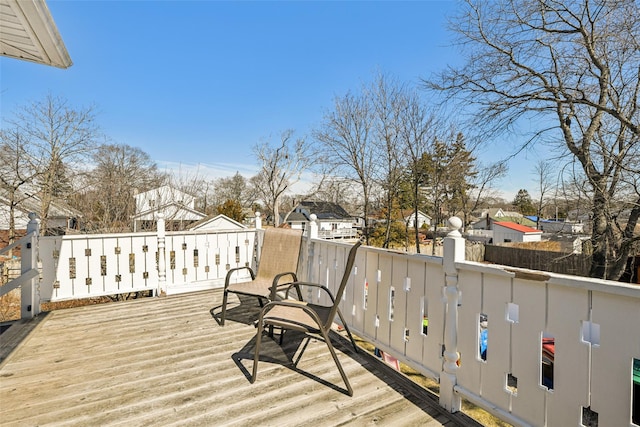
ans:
x=564 y=75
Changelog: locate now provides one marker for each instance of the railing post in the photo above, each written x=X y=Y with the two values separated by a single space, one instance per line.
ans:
x=162 y=264
x=312 y=233
x=30 y=292
x=258 y=221
x=313 y=226
x=453 y=251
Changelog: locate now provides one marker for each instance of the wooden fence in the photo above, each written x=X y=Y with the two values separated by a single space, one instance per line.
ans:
x=555 y=262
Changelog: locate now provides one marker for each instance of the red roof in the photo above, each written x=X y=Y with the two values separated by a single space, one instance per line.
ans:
x=517 y=227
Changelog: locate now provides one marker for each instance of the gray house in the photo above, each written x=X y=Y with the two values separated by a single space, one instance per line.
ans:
x=333 y=221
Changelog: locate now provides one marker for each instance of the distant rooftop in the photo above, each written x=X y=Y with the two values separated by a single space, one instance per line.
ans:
x=517 y=227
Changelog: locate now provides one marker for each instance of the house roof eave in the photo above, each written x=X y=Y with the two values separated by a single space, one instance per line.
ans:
x=29 y=33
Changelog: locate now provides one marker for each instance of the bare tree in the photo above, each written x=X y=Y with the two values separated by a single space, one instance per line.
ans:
x=346 y=146
x=573 y=67
x=335 y=190
x=106 y=197
x=387 y=99
x=280 y=168
x=188 y=181
x=234 y=188
x=417 y=134
x=481 y=187
x=543 y=172
x=59 y=136
x=17 y=172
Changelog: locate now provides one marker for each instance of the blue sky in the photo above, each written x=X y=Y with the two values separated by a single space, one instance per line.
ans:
x=199 y=83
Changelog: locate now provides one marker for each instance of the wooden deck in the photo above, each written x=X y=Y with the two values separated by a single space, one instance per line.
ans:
x=166 y=361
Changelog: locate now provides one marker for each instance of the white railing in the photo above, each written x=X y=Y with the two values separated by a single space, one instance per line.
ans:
x=426 y=311
x=340 y=233
x=594 y=325
x=29 y=279
x=84 y=266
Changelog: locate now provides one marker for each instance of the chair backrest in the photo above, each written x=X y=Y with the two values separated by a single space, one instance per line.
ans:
x=351 y=258
x=280 y=252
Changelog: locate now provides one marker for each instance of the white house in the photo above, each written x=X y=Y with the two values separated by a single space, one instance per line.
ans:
x=423 y=220
x=217 y=223
x=177 y=206
x=333 y=221
x=504 y=232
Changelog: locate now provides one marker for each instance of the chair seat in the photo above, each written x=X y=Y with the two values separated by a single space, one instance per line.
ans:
x=294 y=318
x=258 y=287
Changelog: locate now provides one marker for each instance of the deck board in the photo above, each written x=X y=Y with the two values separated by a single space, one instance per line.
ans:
x=166 y=361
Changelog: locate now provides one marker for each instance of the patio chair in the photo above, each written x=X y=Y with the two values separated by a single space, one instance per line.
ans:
x=277 y=268
x=307 y=318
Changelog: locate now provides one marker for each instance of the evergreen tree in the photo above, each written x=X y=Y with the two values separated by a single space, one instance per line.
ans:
x=524 y=203
x=232 y=209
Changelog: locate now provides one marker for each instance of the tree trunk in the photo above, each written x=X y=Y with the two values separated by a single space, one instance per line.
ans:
x=417 y=231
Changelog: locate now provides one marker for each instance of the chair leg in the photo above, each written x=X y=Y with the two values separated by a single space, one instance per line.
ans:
x=224 y=307
x=256 y=355
x=325 y=335
x=346 y=328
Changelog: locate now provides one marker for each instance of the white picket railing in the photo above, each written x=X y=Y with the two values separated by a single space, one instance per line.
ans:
x=84 y=266
x=595 y=325
x=426 y=311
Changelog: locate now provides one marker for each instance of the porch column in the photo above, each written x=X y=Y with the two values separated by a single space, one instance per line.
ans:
x=453 y=251
x=30 y=290
x=313 y=226
x=258 y=221
x=162 y=264
x=312 y=233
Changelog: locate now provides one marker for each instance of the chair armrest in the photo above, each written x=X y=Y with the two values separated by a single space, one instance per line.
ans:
x=276 y=286
x=310 y=284
x=233 y=270
x=277 y=278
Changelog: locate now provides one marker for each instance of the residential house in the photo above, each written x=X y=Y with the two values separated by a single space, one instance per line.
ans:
x=561 y=226
x=60 y=220
x=505 y=232
x=423 y=219
x=489 y=216
x=217 y=223
x=334 y=222
x=177 y=206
